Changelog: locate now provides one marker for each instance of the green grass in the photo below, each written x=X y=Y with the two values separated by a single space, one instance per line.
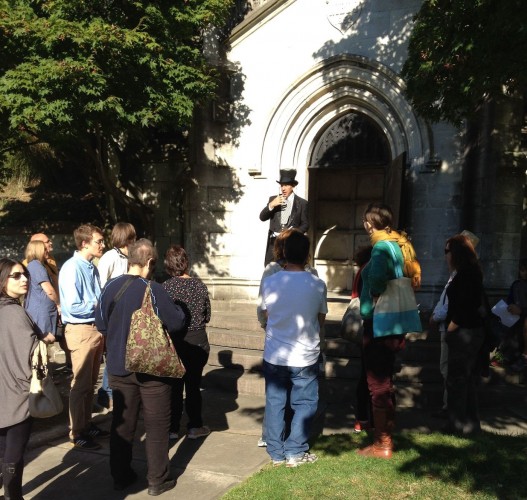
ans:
x=425 y=466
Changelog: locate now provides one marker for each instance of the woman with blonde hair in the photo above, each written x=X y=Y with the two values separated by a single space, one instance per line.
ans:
x=42 y=301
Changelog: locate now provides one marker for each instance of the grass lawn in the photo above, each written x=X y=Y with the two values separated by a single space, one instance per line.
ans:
x=425 y=466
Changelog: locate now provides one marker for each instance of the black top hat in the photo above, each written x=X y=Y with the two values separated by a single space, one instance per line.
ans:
x=288 y=177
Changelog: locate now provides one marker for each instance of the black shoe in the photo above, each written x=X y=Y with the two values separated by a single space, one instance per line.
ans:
x=122 y=484
x=84 y=443
x=95 y=432
x=158 y=489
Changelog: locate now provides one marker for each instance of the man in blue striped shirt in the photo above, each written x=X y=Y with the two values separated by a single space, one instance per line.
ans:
x=80 y=288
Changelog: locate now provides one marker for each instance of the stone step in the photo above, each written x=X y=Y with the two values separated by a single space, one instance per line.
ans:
x=250 y=360
x=243 y=339
x=235 y=321
x=245 y=312
x=237 y=342
x=420 y=350
x=408 y=395
x=233 y=380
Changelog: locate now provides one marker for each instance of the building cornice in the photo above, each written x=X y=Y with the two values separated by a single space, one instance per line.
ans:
x=257 y=17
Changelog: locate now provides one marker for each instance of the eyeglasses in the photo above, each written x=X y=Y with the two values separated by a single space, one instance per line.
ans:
x=447 y=250
x=98 y=242
x=16 y=276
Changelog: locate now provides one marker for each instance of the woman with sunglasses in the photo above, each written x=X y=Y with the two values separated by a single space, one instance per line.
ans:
x=464 y=335
x=18 y=338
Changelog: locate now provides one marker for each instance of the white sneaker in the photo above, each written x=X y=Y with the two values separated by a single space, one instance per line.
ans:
x=306 y=458
x=198 y=432
x=262 y=443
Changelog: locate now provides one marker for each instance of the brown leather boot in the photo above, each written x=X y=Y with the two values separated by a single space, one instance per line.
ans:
x=382 y=446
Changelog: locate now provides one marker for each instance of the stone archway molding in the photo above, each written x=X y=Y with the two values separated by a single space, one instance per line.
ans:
x=329 y=90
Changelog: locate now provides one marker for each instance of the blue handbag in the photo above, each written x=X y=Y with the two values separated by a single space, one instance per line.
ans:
x=396 y=310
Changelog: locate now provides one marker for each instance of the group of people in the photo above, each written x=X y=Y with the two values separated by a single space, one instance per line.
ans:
x=292 y=313
x=95 y=302
x=95 y=295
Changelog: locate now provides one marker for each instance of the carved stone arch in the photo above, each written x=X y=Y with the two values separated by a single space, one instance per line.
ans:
x=335 y=88
x=331 y=89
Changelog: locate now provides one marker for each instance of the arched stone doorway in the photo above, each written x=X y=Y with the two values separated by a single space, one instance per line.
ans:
x=304 y=132
x=349 y=168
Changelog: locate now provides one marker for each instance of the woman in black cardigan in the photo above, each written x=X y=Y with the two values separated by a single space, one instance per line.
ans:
x=464 y=335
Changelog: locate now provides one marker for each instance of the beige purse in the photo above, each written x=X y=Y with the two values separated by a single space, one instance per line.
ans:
x=44 y=397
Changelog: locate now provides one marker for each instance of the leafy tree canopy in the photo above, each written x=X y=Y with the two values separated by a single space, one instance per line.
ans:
x=93 y=73
x=462 y=52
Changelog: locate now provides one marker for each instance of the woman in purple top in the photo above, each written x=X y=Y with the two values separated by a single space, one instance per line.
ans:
x=192 y=295
x=42 y=301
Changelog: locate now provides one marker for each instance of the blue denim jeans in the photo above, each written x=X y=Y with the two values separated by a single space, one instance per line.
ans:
x=302 y=385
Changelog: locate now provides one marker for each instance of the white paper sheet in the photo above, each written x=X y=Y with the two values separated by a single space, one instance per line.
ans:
x=506 y=318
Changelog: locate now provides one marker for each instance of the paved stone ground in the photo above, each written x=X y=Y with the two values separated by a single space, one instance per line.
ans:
x=205 y=468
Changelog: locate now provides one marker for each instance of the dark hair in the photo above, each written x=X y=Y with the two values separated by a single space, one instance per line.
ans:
x=463 y=255
x=176 y=260
x=123 y=234
x=140 y=251
x=379 y=215
x=5 y=270
x=85 y=233
x=296 y=248
x=278 y=247
x=522 y=264
x=362 y=255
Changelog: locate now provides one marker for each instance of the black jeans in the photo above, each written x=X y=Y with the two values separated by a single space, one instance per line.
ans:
x=13 y=441
x=129 y=394
x=194 y=359
x=463 y=376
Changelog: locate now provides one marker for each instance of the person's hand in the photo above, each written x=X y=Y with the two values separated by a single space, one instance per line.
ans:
x=277 y=201
x=514 y=309
x=452 y=327
x=49 y=338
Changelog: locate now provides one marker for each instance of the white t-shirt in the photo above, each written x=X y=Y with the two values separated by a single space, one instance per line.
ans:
x=293 y=301
x=112 y=264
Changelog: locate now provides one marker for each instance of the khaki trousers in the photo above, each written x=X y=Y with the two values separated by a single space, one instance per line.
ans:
x=85 y=344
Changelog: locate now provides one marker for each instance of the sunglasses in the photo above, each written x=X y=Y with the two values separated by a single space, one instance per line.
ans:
x=16 y=276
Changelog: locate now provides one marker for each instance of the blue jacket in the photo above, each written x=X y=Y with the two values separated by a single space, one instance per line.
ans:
x=115 y=324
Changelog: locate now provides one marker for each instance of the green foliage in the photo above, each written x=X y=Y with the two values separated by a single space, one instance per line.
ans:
x=68 y=67
x=463 y=52
x=101 y=81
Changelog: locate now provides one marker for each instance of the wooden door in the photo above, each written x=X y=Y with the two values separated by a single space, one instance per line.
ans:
x=337 y=200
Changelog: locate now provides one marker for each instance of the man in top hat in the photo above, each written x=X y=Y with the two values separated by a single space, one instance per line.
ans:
x=287 y=210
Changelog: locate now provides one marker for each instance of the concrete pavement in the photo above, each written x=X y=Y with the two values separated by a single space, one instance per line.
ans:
x=208 y=467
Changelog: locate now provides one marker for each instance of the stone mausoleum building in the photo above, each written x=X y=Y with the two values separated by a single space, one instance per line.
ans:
x=314 y=85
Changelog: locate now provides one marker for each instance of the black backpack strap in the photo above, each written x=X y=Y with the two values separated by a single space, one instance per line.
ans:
x=120 y=293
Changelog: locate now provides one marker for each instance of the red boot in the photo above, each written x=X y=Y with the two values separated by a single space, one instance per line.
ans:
x=382 y=446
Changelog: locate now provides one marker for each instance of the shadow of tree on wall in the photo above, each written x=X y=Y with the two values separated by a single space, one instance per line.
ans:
x=214 y=187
